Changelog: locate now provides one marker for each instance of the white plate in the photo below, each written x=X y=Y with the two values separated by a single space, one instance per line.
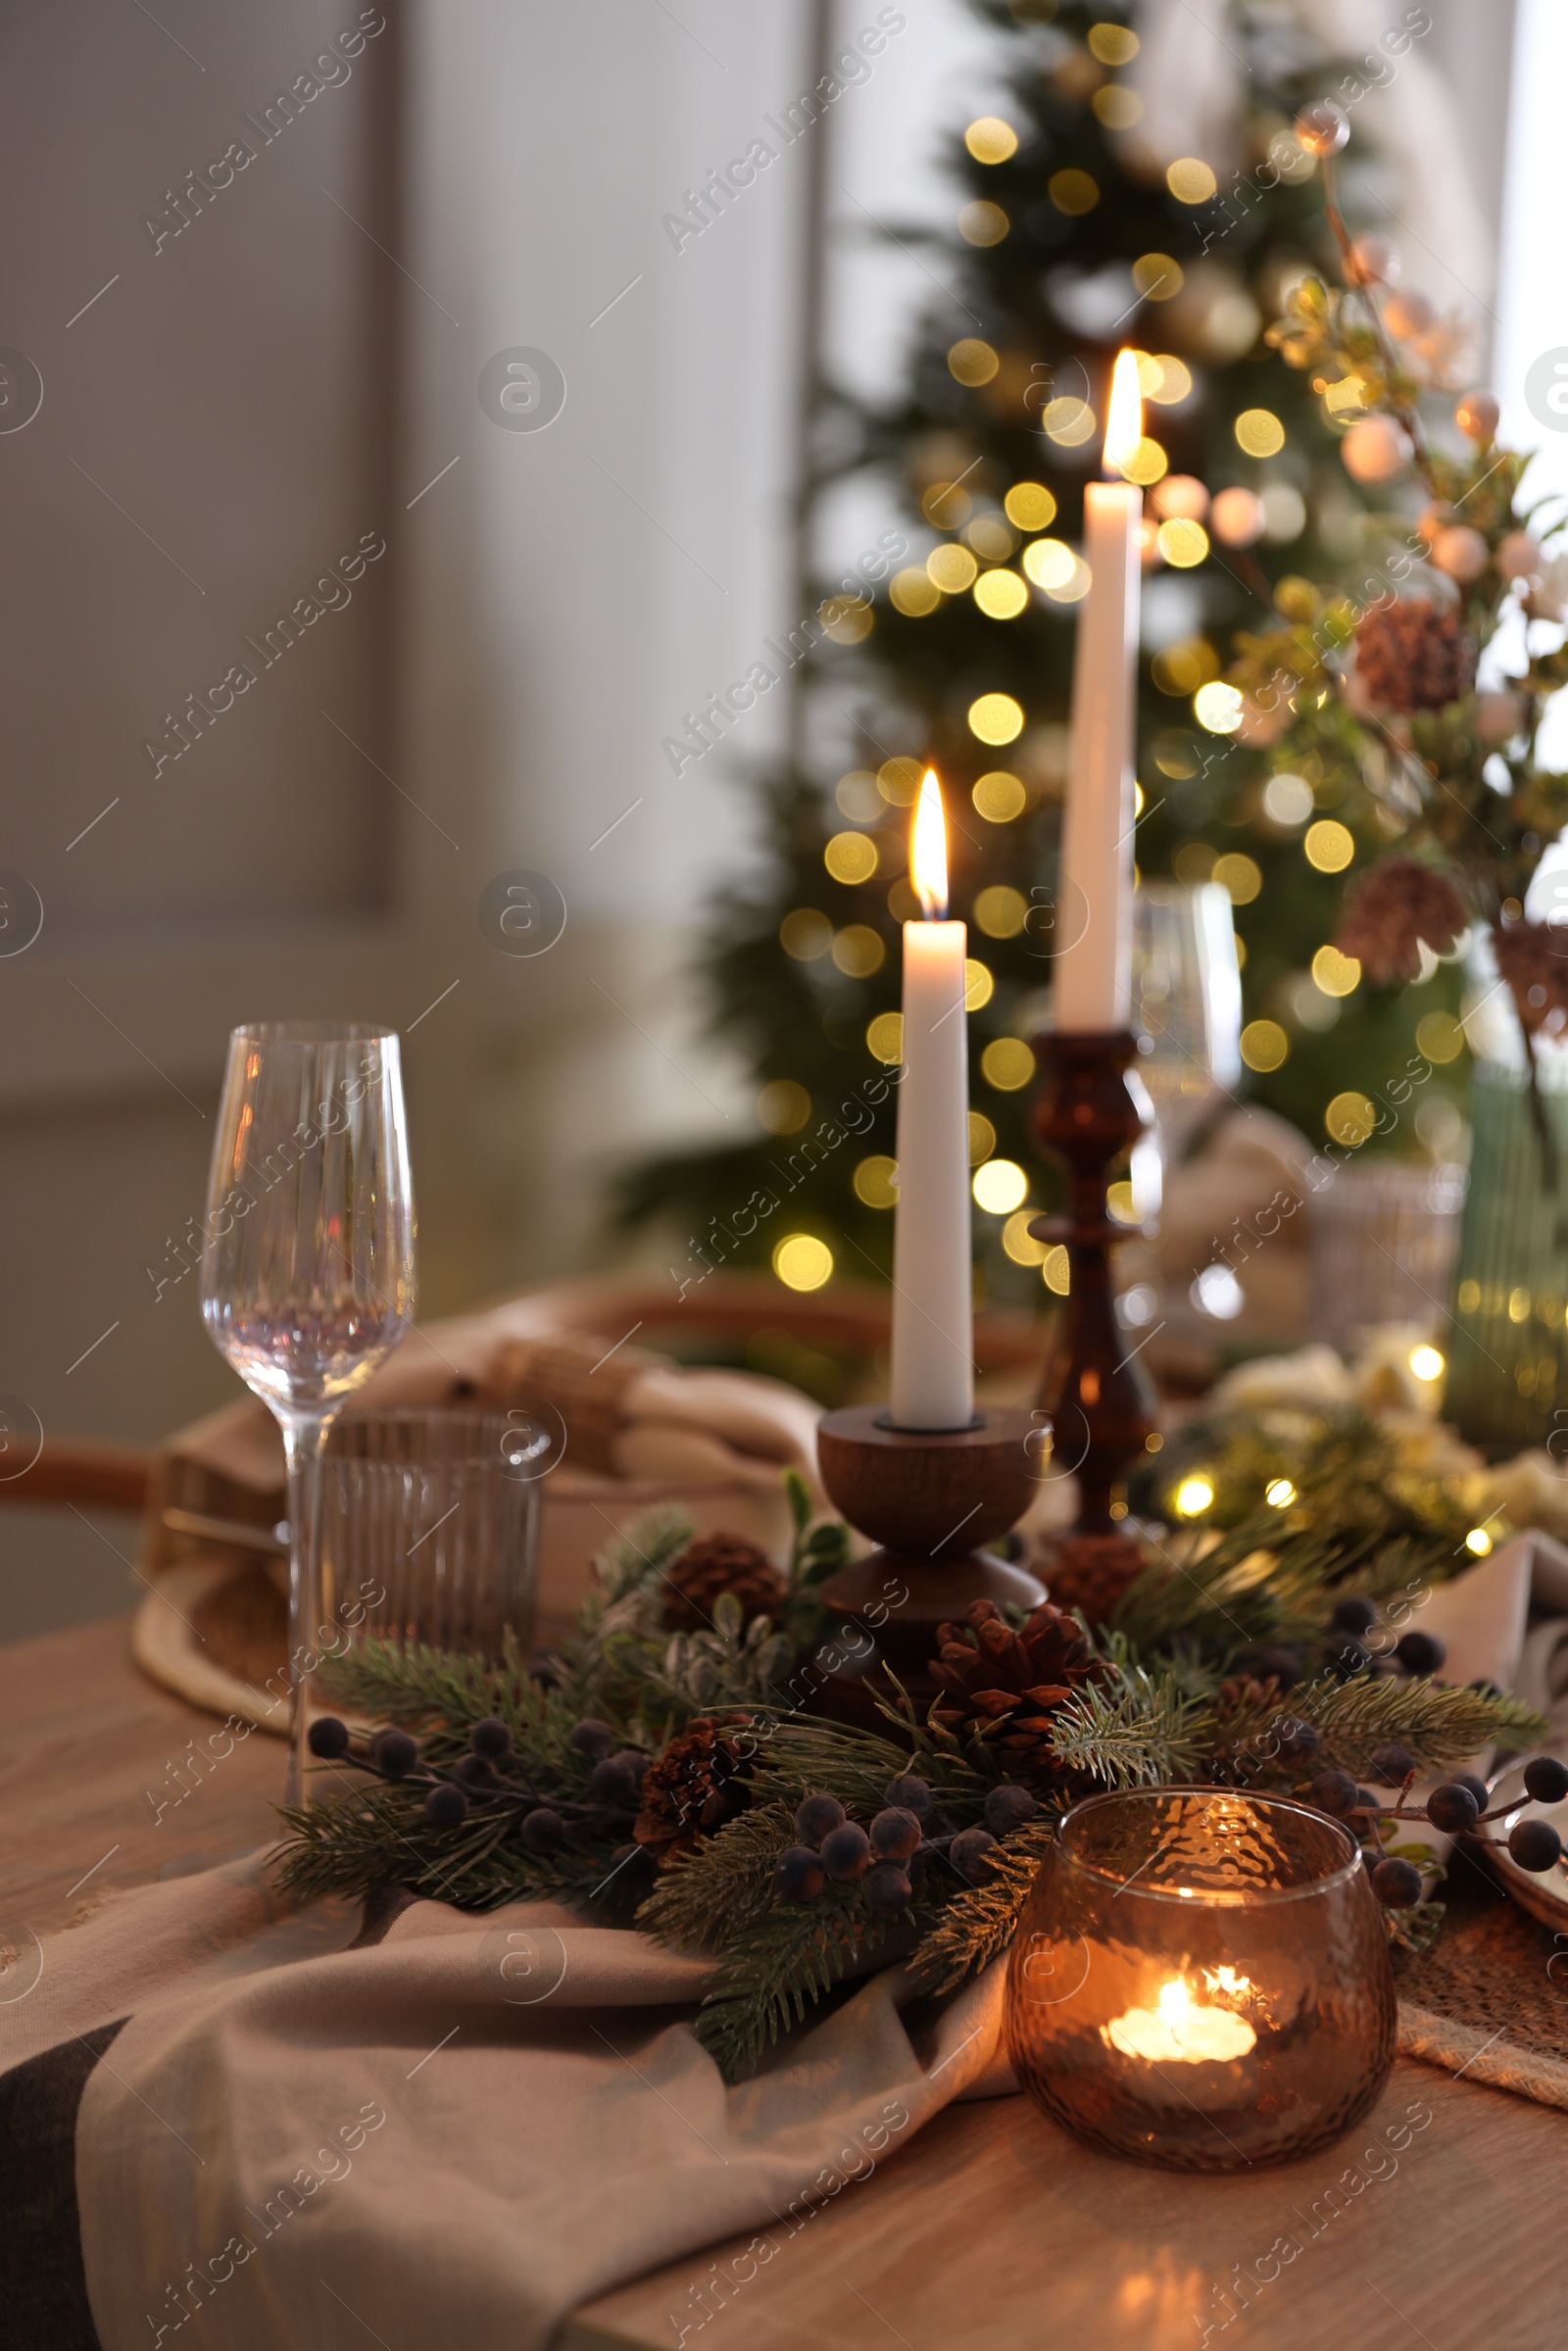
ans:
x=1542 y=1893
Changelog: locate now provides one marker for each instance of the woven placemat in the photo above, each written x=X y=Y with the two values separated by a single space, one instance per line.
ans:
x=1487 y=2001
x=242 y=1623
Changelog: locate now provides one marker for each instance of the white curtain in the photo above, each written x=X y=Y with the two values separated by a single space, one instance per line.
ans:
x=1192 y=77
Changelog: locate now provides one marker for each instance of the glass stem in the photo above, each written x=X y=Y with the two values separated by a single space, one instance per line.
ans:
x=303 y=1440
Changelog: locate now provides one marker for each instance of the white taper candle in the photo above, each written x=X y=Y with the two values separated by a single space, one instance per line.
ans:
x=932 y=1385
x=1094 y=957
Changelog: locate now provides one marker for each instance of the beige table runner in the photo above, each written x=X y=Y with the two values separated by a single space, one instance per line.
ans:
x=285 y=2136
x=223 y=2122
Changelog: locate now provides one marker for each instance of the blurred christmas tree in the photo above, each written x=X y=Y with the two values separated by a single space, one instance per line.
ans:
x=1072 y=240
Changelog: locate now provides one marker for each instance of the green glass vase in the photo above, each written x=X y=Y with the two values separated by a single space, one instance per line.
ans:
x=1507 y=1384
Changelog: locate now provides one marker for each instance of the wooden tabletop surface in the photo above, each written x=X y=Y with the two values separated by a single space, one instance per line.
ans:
x=105 y=1780
x=1438 y=2221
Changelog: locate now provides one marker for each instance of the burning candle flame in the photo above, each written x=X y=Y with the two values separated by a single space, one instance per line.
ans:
x=1174 y=2002
x=1178 y=2031
x=1124 y=419
x=928 y=850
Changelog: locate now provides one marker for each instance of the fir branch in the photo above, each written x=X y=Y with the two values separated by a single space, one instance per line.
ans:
x=378 y=1836
x=775 y=1957
x=802 y=1753
x=1254 y=1583
x=625 y=1602
x=714 y=1890
x=641 y=1555
x=390 y=1684
x=1221 y=1592
x=708 y=1894
x=1134 y=1731
x=440 y=1696
x=979 y=1923
x=1439 y=1724
x=783 y=1961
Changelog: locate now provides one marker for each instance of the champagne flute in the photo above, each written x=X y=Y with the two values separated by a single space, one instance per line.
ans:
x=1187 y=993
x=307 y=1258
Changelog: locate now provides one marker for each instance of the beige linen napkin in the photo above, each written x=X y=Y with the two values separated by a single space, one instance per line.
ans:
x=627 y=1413
x=1483 y=1618
x=460 y=2131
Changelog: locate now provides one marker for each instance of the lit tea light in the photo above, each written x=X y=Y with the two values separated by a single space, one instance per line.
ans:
x=1179 y=2033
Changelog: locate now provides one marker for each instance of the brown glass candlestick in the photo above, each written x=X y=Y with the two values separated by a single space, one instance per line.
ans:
x=932 y=1500
x=1095 y=1389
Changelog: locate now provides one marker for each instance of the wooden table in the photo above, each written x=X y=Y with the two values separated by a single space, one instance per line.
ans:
x=991 y=2230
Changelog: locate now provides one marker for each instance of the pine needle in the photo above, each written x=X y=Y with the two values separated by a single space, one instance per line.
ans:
x=980 y=1923
x=1251 y=1583
x=1440 y=1724
x=1131 y=1732
x=782 y=1963
x=714 y=1889
x=378 y=1836
x=778 y=1957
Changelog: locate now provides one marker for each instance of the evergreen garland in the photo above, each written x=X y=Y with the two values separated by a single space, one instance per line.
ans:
x=623 y=1695
x=1140 y=1732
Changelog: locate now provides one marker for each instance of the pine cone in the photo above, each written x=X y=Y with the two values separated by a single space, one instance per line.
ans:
x=700 y=1781
x=1239 y=1704
x=1413 y=655
x=1533 y=957
x=1003 y=1687
x=1391 y=910
x=1244 y=1695
x=1092 y=1572
x=714 y=1564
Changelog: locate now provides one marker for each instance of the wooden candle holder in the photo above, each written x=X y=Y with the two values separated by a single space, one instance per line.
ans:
x=931 y=1500
x=1095 y=1389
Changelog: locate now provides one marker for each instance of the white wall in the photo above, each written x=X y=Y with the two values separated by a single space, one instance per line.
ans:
x=551 y=628
x=578 y=588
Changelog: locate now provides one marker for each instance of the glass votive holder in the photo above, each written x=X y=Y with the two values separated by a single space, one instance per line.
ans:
x=1200 y=1979
x=430 y=1528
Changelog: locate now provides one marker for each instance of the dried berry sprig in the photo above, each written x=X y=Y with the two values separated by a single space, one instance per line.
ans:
x=1459 y=1807
x=1323 y=129
x=493 y=1777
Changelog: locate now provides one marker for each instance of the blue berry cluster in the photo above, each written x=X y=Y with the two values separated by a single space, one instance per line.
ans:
x=493 y=1778
x=909 y=1836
